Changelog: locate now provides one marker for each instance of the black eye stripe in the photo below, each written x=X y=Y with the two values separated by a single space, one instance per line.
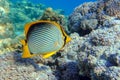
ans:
x=63 y=35
x=64 y=41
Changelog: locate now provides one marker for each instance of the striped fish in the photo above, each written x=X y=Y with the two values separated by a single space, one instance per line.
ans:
x=44 y=38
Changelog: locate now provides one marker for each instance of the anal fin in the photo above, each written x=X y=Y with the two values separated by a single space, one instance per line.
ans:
x=47 y=55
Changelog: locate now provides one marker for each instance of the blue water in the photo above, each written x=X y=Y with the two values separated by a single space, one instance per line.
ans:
x=67 y=5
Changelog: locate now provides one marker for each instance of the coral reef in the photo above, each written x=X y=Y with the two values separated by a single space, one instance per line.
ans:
x=91 y=16
x=23 y=12
x=110 y=7
x=8 y=42
x=6 y=28
x=5 y=25
x=83 y=19
x=15 y=68
x=93 y=53
x=9 y=45
x=63 y=68
x=98 y=52
x=4 y=7
x=98 y=47
x=52 y=15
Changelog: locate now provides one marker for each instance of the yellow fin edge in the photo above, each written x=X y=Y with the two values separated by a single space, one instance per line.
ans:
x=47 y=55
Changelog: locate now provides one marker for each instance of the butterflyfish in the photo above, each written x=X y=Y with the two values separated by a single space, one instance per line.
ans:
x=44 y=38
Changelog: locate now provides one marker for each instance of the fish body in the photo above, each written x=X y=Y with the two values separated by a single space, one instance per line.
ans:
x=44 y=38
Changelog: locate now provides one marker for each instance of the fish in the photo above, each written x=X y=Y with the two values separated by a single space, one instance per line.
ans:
x=43 y=38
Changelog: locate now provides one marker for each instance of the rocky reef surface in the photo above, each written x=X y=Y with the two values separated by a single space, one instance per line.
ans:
x=90 y=16
x=98 y=39
x=92 y=54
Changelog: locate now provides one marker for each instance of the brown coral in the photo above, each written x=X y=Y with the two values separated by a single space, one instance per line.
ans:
x=111 y=7
x=113 y=11
x=52 y=15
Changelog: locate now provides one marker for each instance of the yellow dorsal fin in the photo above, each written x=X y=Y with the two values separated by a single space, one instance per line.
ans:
x=48 y=54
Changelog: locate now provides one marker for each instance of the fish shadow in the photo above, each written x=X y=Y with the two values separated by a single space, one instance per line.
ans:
x=19 y=61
